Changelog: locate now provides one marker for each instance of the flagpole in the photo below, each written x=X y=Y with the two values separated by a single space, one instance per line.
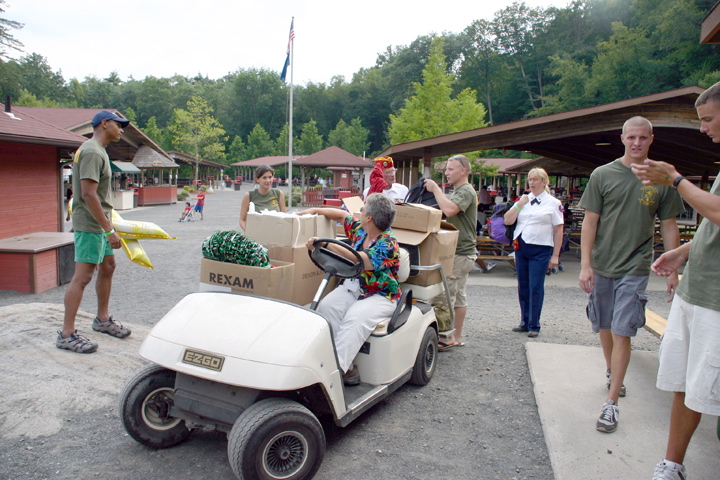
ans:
x=290 y=115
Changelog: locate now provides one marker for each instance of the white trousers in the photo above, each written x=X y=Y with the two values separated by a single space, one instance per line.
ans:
x=353 y=320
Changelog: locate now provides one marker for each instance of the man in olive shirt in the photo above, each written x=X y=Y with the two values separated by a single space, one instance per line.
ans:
x=95 y=237
x=689 y=356
x=461 y=211
x=616 y=252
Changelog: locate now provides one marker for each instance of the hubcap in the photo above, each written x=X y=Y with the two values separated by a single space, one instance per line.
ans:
x=285 y=454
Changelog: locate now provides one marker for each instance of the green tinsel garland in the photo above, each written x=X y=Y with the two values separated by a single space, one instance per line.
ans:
x=230 y=246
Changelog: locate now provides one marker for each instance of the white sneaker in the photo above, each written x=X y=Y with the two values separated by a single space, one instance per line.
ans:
x=489 y=267
x=667 y=470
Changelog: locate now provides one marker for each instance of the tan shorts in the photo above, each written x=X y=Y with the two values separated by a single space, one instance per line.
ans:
x=458 y=280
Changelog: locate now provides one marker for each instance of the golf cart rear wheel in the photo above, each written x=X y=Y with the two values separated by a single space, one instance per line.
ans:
x=144 y=408
x=426 y=358
x=276 y=439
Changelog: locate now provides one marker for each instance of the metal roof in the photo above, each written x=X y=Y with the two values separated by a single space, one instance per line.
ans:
x=573 y=137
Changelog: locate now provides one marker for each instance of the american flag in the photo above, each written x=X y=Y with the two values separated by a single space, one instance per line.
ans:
x=287 y=59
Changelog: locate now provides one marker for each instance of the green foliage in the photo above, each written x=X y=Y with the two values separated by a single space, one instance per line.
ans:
x=197 y=132
x=352 y=138
x=432 y=111
x=310 y=140
x=524 y=61
x=259 y=144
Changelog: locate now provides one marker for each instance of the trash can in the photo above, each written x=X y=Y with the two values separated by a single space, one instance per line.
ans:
x=135 y=197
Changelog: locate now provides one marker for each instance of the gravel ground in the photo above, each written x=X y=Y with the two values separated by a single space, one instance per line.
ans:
x=477 y=419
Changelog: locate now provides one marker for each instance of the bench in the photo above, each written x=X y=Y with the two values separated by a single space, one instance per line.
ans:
x=654 y=323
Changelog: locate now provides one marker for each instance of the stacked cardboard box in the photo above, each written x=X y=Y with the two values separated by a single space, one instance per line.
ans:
x=419 y=226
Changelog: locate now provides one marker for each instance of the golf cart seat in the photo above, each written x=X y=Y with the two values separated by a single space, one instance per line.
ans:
x=404 y=305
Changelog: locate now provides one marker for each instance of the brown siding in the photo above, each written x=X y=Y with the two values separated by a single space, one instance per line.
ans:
x=29 y=179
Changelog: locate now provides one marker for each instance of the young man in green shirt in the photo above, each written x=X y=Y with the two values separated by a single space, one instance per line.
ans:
x=688 y=354
x=461 y=211
x=616 y=252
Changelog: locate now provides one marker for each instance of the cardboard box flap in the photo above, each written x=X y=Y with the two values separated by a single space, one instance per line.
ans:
x=409 y=237
x=353 y=204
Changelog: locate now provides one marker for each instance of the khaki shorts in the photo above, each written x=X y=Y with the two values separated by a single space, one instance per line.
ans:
x=91 y=247
x=690 y=356
x=462 y=266
x=618 y=304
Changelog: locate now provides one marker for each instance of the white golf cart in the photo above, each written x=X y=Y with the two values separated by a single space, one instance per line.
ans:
x=263 y=370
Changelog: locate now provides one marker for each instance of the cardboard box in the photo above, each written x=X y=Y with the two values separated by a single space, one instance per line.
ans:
x=417 y=217
x=408 y=216
x=306 y=277
x=275 y=282
x=287 y=230
x=437 y=247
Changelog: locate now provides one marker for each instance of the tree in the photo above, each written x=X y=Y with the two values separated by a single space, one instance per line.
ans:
x=259 y=143
x=432 y=111
x=237 y=150
x=6 y=39
x=352 y=138
x=157 y=134
x=39 y=79
x=281 y=144
x=310 y=140
x=627 y=67
x=196 y=131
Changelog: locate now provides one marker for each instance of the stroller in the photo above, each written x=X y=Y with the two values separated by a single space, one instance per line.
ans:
x=188 y=214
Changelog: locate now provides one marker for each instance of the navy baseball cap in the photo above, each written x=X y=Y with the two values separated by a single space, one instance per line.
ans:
x=105 y=115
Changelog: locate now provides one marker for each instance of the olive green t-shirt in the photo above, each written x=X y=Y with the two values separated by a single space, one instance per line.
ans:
x=91 y=162
x=699 y=285
x=627 y=209
x=269 y=201
x=466 y=219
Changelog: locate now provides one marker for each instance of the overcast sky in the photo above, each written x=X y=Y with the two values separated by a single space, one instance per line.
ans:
x=139 y=38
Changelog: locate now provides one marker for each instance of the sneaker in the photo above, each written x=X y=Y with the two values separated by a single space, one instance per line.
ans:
x=111 y=327
x=666 y=470
x=489 y=267
x=623 y=391
x=533 y=334
x=352 y=377
x=519 y=329
x=75 y=343
x=608 y=420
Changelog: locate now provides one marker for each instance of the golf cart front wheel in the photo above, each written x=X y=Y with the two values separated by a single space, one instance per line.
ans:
x=426 y=358
x=276 y=439
x=145 y=408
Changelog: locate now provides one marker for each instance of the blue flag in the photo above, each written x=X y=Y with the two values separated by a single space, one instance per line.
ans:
x=283 y=74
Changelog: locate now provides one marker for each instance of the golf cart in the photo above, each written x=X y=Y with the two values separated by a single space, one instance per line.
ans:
x=263 y=370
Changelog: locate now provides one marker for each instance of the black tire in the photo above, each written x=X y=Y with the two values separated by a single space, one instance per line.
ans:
x=274 y=439
x=426 y=358
x=144 y=405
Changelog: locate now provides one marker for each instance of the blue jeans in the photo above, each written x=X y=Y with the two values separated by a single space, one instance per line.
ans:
x=531 y=262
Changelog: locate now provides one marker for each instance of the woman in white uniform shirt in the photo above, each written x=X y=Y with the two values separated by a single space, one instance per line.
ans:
x=537 y=241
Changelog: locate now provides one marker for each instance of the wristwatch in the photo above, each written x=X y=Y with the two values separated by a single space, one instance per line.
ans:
x=677 y=181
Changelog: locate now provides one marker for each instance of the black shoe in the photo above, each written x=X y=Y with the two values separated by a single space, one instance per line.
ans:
x=533 y=334
x=352 y=377
x=519 y=329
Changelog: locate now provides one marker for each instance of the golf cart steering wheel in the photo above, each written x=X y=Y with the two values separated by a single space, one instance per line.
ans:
x=334 y=263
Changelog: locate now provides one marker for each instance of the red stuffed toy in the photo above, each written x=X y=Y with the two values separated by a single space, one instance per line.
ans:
x=377 y=180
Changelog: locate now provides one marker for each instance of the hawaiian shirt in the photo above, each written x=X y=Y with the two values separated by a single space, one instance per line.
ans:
x=384 y=254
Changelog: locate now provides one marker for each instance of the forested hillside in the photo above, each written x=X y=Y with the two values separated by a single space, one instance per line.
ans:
x=523 y=62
